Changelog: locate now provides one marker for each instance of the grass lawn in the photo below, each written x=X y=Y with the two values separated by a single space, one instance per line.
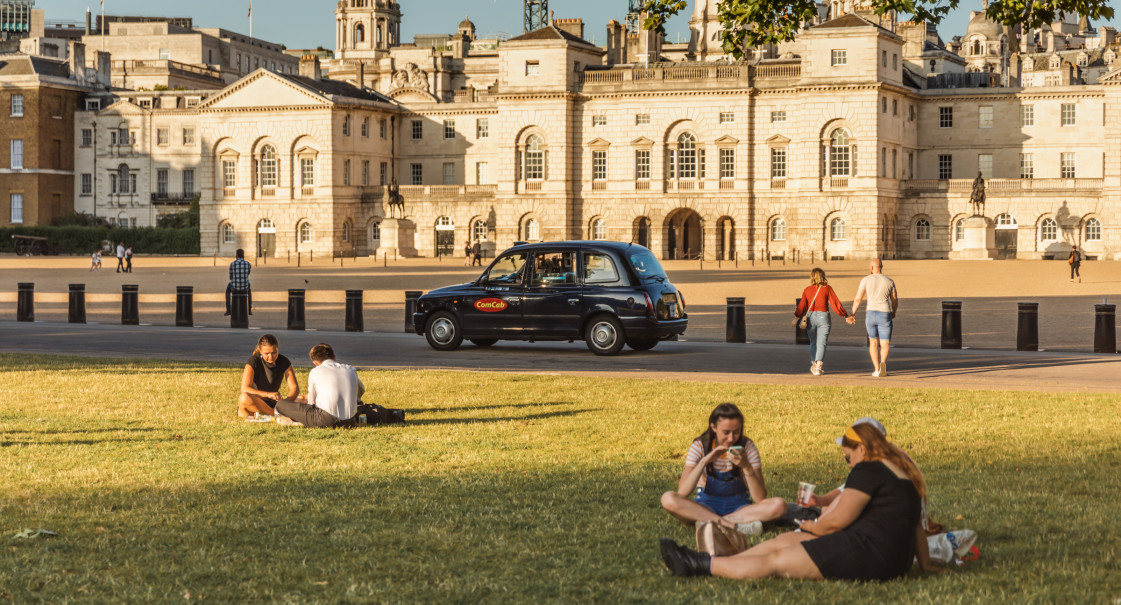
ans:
x=507 y=488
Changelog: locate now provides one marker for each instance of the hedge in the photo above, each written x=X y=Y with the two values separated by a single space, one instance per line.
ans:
x=72 y=239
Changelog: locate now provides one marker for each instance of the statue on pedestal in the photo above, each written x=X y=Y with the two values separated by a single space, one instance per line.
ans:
x=394 y=199
x=977 y=197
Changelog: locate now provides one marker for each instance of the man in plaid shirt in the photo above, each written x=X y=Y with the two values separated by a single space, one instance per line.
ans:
x=239 y=279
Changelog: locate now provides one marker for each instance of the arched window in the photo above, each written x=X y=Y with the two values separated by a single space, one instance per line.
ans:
x=1049 y=230
x=599 y=229
x=123 y=179
x=377 y=34
x=837 y=230
x=268 y=166
x=479 y=230
x=959 y=230
x=1093 y=230
x=978 y=48
x=306 y=233
x=443 y=223
x=346 y=231
x=228 y=234
x=922 y=230
x=1005 y=221
x=840 y=153
x=686 y=156
x=265 y=223
x=532 y=230
x=642 y=231
x=534 y=158
x=375 y=232
x=778 y=230
x=359 y=33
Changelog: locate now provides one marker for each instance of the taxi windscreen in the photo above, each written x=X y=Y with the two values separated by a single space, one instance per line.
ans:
x=646 y=265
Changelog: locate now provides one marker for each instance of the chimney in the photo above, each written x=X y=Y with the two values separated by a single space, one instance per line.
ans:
x=361 y=74
x=78 y=61
x=89 y=22
x=104 y=69
x=309 y=67
x=572 y=26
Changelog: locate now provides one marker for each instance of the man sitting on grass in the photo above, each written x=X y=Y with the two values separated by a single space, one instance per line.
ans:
x=333 y=392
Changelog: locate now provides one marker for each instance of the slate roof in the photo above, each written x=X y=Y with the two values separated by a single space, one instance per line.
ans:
x=549 y=32
x=18 y=64
x=336 y=88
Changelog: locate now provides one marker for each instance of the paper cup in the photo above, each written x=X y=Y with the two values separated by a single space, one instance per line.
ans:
x=805 y=491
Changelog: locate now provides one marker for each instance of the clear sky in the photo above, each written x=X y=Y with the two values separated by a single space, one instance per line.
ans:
x=311 y=23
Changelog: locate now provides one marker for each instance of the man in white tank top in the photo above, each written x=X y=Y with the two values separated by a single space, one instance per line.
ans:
x=883 y=302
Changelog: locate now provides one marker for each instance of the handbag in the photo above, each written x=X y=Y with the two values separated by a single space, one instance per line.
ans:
x=805 y=321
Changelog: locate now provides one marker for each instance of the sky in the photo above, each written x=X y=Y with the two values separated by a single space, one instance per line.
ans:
x=311 y=23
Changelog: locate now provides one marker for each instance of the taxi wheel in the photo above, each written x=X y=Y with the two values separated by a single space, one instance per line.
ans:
x=642 y=345
x=483 y=342
x=604 y=335
x=443 y=332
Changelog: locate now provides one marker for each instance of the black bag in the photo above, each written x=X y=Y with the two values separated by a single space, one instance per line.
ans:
x=375 y=414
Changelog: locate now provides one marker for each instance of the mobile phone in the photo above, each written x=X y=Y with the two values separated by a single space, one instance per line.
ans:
x=736 y=448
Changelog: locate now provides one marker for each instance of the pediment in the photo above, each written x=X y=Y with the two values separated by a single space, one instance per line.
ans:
x=263 y=88
x=778 y=139
x=727 y=140
x=598 y=142
x=409 y=94
x=124 y=107
x=1113 y=77
x=307 y=150
x=642 y=142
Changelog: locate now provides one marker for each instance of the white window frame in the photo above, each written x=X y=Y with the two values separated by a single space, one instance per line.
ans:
x=1027 y=166
x=838 y=230
x=777 y=230
x=17 y=154
x=1093 y=230
x=449 y=129
x=985 y=116
x=1069 y=115
x=17 y=106
x=838 y=57
x=922 y=230
x=16 y=200
x=642 y=164
x=307 y=233
x=1067 y=165
x=1048 y=230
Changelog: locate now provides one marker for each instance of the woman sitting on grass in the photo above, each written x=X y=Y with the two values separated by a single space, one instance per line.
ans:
x=724 y=468
x=260 y=382
x=873 y=532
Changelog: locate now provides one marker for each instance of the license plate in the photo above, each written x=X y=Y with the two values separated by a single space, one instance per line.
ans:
x=673 y=311
x=670 y=298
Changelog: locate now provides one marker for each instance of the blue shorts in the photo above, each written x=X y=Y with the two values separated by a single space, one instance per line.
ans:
x=878 y=324
x=723 y=505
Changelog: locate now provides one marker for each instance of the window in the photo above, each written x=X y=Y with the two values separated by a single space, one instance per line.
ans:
x=229 y=174
x=894 y=61
x=686 y=156
x=268 y=166
x=532 y=68
x=1068 y=114
x=1049 y=230
x=985 y=165
x=375 y=232
x=307 y=172
x=945 y=117
x=1093 y=230
x=383 y=173
x=365 y=173
x=1005 y=220
x=165 y=54
x=959 y=229
x=482 y=128
x=778 y=116
x=228 y=234
x=985 y=116
x=1027 y=166
x=641 y=119
x=17 y=154
x=837 y=231
x=113 y=183
x=895 y=107
x=481 y=177
x=945 y=166
x=161 y=181
x=17 y=207
x=416 y=171
x=188 y=136
x=17 y=106
x=778 y=162
x=366 y=127
x=479 y=230
x=87 y=184
x=449 y=129
x=778 y=230
x=910 y=113
x=1027 y=115
x=727 y=163
x=599 y=229
x=163 y=136
x=894 y=162
x=418 y=130
x=599 y=165
x=883 y=162
x=93 y=104
x=382 y=128
x=87 y=137
x=727 y=117
x=599 y=269
x=306 y=234
x=123 y=136
x=532 y=230
x=346 y=125
x=346 y=172
x=599 y=120
x=449 y=173
x=840 y=153
x=534 y=158
x=641 y=164
x=922 y=230
x=883 y=104
x=883 y=58
x=910 y=165
x=1066 y=165
x=839 y=57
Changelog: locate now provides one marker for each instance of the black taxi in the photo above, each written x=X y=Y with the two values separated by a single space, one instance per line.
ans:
x=606 y=293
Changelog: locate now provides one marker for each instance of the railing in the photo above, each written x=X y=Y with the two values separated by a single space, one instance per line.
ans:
x=378 y=193
x=172 y=198
x=784 y=70
x=1002 y=185
x=778 y=184
x=727 y=184
x=533 y=186
x=230 y=192
x=164 y=65
x=599 y=185
x=467 y=95
x=688 y=73
x=838 y=183
x=642 y=185
x=686 y=185
x=268 y=193
x=307 y=191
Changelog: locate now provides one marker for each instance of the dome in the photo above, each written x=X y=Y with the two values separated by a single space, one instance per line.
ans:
x=981 y=25
x=466 y=24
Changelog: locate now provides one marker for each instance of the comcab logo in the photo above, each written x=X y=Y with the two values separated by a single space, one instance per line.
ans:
x=490 y=305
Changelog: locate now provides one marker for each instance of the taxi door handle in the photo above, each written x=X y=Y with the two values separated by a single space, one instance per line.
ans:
x=573 y=301
x=513 y=299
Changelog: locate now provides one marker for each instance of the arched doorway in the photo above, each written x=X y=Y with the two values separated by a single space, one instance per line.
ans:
x=725 y=238
x=642 y=231
x=266 y=237
x=684 y=237
x=445 y=236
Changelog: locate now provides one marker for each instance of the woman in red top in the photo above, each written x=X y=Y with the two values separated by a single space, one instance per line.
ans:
x=816 y=300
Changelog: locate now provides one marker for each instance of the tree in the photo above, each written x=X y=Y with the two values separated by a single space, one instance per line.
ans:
x=750 y=23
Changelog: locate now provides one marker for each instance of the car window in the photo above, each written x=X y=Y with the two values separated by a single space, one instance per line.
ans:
x=599 y=269
x=554 y=269
x=507 y=269
x=646 y=265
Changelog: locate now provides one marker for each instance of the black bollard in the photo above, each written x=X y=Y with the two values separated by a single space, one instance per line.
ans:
x=1027 y=327
x=736 y=330
x=239 y=308
x=296 y=309
x=1105 y=328
x=354 y=311
x=25 y=302
x=130 y=305
x=951 y=324
x=77 y=314
x=801 y=337
x=411 y=297
x=185 y=306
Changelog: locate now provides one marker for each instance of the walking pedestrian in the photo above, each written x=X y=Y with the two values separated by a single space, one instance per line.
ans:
x=95 y=261
x=128 y=259
x=239 y=280
x=477 y=254
x=883 y=302
x=1075 y=260
x=816 y=300
x=467 y=253
x=120 y=256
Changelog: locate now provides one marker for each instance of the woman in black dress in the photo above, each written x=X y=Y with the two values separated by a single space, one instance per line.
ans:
x=264 y=372
x=874 y=532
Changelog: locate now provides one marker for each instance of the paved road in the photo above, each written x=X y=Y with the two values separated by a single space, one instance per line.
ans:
x=696 y=361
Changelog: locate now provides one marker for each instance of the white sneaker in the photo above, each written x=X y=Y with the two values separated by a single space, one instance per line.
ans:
x=814 y=370
x=750 y=529
x=876 y=374
x=820 y=369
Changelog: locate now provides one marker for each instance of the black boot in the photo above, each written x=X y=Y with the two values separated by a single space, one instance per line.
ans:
x=682 y=561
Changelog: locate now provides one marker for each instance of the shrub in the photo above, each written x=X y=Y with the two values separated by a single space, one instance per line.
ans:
x=77 y=239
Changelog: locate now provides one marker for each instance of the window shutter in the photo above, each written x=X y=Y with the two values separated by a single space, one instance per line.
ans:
x=853 y=171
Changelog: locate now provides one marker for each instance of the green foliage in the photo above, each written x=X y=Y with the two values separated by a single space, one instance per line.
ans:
x=181 y=220
x=77 y=239
x=82 y=220
x=159 y=87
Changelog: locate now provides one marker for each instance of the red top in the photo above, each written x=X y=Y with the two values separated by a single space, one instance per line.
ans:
x=826 y=298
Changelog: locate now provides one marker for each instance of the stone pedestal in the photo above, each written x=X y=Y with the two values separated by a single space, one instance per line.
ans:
x=979 y=242
x=398 y=237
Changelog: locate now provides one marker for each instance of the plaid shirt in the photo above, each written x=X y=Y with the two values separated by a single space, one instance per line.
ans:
x=239 y=274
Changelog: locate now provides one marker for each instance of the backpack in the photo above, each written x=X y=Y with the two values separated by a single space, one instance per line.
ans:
x=374 y=414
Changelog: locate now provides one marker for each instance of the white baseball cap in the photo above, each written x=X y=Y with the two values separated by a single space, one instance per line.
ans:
x=865 y=420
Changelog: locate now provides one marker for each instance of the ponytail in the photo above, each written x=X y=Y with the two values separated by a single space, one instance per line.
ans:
x=266 y=340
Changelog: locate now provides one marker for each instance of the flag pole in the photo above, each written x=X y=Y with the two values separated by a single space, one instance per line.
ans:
x=250 y=18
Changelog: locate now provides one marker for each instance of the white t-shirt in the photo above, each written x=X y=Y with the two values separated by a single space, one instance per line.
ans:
x=120 y=251
x=335 y=388
x=878 y=289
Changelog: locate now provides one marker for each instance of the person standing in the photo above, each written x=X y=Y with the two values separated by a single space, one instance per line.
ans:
x=120 y=256
x=816 y=300
x=239 y=280
x=333 y=391
x=477 y=254
x=467 y=253
x=883 y=302
x=128 y=259
x=1075 y=260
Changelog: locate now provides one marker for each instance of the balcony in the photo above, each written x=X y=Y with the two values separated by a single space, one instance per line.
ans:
x=173 y=199
x=1000 y=186
x=685 y=185
x=376 y=194
x=661 y=76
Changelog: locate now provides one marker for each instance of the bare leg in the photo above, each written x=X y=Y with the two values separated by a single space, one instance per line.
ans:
x=777 y=543
x=874 y=352
x=885 y=348
x=248 y=404
x=790 y=562
x=767 y=510
x=686 y=510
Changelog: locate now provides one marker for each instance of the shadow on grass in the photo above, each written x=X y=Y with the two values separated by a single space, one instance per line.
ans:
x=472 y=408
x=527 y=418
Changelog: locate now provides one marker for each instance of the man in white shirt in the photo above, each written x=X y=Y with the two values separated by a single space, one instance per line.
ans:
x=332 y=396
x=120 y=256
x=883 y=302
